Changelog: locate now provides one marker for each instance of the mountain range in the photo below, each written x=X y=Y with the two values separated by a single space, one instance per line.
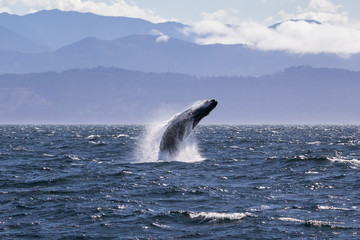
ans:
x=55 y=28
x=110 y=95
x=56 y=41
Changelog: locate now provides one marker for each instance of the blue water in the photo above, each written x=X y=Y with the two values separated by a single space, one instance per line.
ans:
x=251 y=182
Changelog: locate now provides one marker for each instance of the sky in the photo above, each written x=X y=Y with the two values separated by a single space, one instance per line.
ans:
x=185 y=11
x=234 y=21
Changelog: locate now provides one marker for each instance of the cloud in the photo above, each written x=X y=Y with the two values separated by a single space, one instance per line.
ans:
x=228 y=15
x=320 y=10
x=5 y=9
x=161 y=37
x=114 y=8
x=337 y=33
x=322 y=6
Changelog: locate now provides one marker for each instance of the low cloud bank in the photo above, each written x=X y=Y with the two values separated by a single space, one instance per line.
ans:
x=336 y=33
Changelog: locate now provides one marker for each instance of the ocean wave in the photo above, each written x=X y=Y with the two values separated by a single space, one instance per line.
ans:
x=220 y=217
x=335 y=208
x=158 y=225
x=98 y=143
x=336 y=159
x=22 y=149
x=315 y=223
x=121 y=136
x=48 y=155
x=72 y=157
x=93 y=137
x=340 y=159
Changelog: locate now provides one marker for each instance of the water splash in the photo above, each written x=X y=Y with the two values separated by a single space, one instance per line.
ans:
x=149 y=144
x=148 y=147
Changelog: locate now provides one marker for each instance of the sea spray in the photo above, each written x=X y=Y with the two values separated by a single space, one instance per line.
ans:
x=148 y=147
x=187 y=150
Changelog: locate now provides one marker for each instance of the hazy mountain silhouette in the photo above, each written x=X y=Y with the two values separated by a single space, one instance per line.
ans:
x=11 y=41
x=146 y=53
x=55 y=28
x=110 y=95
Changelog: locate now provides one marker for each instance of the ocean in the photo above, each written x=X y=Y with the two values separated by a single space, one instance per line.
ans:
x=229 y=182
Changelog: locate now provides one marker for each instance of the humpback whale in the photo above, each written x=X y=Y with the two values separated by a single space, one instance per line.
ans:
x=181 y=125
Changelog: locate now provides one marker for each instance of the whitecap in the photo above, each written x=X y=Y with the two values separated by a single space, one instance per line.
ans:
x=314 y=143
x=92 y=137
x=160 y=225
x=98 y=143
x=121 y=136
x=98 y=216
x=340 y=159
x=316 y=223
x=333 y=208
x=234 y=147
x=73 y=157
x=48 y=155
x=289 y=219
x=219 y=217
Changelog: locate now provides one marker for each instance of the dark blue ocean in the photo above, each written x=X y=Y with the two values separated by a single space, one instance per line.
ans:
x=233 y=182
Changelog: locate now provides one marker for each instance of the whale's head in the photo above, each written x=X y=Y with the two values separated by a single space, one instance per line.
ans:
x=203 y=109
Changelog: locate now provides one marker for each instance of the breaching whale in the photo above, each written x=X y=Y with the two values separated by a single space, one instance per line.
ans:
x=180 y=127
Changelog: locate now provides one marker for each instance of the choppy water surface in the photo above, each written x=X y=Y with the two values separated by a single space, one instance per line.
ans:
x=252 y=182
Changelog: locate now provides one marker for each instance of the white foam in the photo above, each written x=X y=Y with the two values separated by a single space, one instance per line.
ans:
x=314 y=143
x=149 y=144
x=73 y=157
x=121 y=136
x=334 y=208
x=48 y=155
x=316 y=223
x=160 y=225
x=289 y=219
x=217 y=216
x=340 y=159
x=92 y=137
